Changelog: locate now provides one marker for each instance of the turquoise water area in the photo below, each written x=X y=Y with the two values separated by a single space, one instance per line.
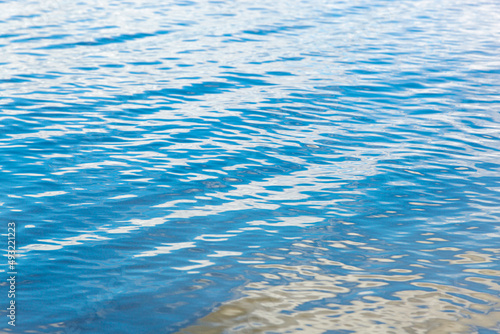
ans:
x=251 y=166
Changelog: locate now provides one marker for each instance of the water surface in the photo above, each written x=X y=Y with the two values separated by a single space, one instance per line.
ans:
x=252 y=166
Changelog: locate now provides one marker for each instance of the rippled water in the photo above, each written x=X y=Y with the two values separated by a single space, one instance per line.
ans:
x=252 y=166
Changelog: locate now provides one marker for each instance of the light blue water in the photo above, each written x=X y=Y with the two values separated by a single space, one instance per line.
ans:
x=252 y=166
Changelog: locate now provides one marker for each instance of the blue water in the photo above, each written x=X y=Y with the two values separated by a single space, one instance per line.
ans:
x=251 y=166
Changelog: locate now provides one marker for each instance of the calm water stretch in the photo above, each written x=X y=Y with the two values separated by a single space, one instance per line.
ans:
x=205 y=167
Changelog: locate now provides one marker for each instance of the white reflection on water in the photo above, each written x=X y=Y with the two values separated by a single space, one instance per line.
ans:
x=167 y=248
x=53 y=244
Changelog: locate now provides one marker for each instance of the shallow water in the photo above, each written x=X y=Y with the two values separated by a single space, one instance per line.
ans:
x=252 y=166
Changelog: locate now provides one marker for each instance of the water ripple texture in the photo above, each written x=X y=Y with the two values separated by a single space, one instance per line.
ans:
x=251 y=166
